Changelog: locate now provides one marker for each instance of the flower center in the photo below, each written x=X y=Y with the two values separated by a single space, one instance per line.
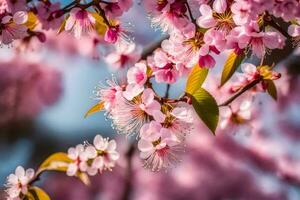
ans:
x=224 y=21
x=160 y=4
x=156 y=142
x=163 y=152
x=237 y=119
x=196 y=42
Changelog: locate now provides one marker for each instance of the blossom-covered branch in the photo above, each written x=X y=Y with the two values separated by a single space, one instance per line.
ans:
x=80 y=161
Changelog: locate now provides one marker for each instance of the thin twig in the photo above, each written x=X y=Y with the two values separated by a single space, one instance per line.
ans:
x=102 y=13
x=269 y=21
x=167 y=91
x=128 y=176
x=242 y=91
x=152 y=47
x=190 y=13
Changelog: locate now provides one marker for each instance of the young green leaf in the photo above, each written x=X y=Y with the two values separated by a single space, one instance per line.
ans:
x=57 y=161
x=62 y=26
x=100 y=26
x=196 y=79
x=207 y=108
x=31 y=21
x=84 y=178
x=36 y=193
x=232 y=63
x=96 y=108
x=271 y=89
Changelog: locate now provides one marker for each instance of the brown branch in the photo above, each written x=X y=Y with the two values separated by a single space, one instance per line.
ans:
x=128 y=176
x=191 y=14
x=277 y=27
x=242 y=91
x=167 y=91
x=152 y=47
x=102 y=13
x=270 y=21
x=76 y=3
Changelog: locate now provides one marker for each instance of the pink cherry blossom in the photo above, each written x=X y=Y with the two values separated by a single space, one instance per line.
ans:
x=216 y=40
x=259 y=42
x=80 y=155
x=137 y=74
x=252 y=73
x=236 y=118
x=163 y=67
x=127 y=117
x=18 y=183
x=124 y=56
x=112 y=34
x=13 y=28
x=155 y=7
x=130 y=115
x=158 y=146
x=116 y=9
x=109 y=93
x=286 y=9
x=14 y=6
x=182 y=123
x=206 y=20
x=171 y=17
x=132 y=90
x=117 y=33
x=3 y=6
x=249 y=74
x=44 y=15
x=242 y=12
x=107 y=153
x=186 y=50
x=80 y=22
x=151 y=106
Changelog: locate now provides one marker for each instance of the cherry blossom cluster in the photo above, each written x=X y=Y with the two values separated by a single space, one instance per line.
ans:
x=17 y=183
x=92 y=159
x=82 y=159
x=251 y=73
x=199 y=30
x=240 y=114
x=246 y=27
x=159 y=124
x=28 y=19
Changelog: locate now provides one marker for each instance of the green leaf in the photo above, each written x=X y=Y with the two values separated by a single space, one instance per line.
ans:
x=57 y=161
x=96 y=108
x=271 y=89
x=36 y=193
x=196 y=79
x=207 y=108
x=232 y=63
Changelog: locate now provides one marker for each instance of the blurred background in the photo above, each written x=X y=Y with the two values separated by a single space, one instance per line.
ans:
x=46 y=90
